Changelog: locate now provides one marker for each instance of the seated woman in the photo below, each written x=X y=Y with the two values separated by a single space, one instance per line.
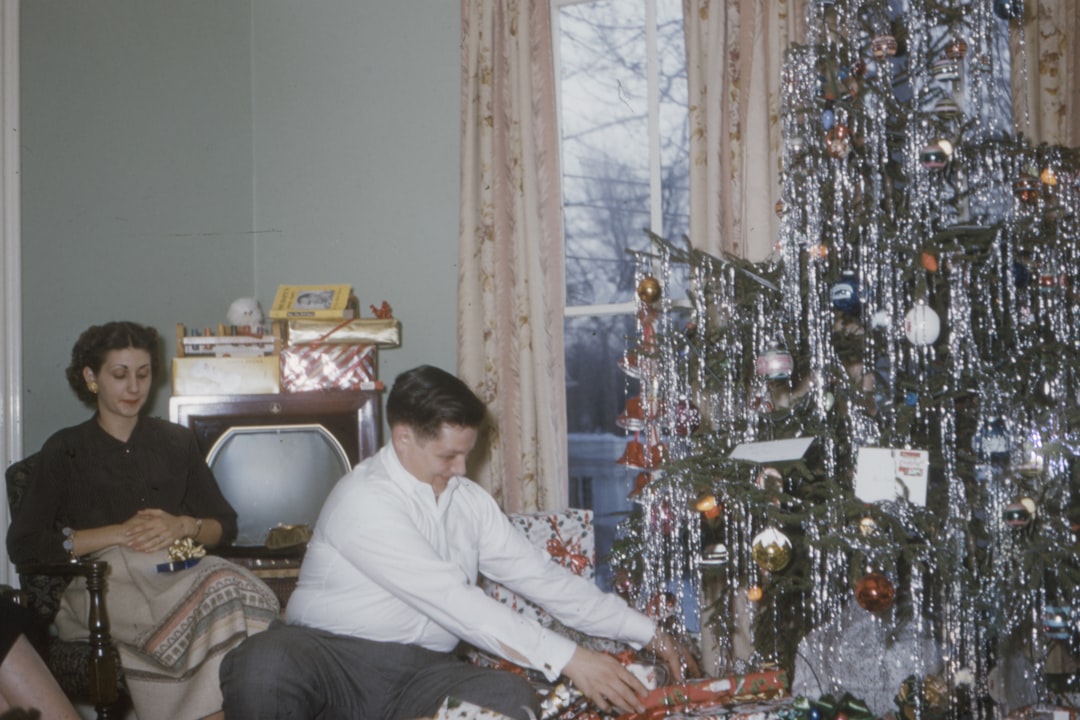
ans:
x=124 y=488
x=25 y=682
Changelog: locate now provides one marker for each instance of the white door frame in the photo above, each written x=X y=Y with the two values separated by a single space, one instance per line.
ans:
x=10 y=263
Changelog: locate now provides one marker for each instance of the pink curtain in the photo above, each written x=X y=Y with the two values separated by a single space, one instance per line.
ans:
x=1046 y=88
x=510 y=286
x=735 y=51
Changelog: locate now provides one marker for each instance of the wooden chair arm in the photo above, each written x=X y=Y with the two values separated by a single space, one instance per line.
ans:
x=103 y=671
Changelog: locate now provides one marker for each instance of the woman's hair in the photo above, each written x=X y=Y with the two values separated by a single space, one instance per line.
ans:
x=426 y=397
x=98 y=341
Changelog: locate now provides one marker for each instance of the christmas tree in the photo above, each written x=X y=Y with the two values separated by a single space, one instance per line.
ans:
x=882 y=418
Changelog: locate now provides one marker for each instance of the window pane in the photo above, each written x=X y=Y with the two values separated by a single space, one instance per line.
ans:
x=605 y=147
x=625 y=169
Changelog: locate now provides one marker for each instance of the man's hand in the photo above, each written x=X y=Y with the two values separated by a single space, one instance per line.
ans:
x=675 y=655
x=605 y=681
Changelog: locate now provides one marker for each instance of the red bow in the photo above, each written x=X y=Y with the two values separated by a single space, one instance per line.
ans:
x=569 y=556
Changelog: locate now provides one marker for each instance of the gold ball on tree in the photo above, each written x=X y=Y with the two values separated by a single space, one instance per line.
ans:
x=649 y=289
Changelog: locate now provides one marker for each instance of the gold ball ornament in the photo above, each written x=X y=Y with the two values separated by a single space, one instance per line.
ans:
x=649 y=290
x=754 y=593
x=771 y=550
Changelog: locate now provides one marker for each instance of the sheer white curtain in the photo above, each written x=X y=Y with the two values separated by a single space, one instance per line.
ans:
x=735 y=51
x=510 y=285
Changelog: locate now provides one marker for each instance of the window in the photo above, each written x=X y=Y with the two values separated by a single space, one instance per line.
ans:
x=621 y=66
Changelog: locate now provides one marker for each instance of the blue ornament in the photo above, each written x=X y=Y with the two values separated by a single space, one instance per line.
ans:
x=1056 y=622
x=828 y=118
x=845 y=293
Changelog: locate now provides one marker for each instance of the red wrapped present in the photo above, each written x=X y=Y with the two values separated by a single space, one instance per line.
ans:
x=706 y=692
x=318 y=366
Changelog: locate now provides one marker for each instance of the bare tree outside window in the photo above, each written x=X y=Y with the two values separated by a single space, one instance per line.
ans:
x=623 y=115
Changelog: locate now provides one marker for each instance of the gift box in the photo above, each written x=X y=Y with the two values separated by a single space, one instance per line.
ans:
x=381 y=332
x=311 y=367
x=709 y=692
x=567 y=536
x=225 y=375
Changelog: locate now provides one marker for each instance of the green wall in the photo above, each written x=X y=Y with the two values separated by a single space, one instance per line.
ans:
x=177 y=154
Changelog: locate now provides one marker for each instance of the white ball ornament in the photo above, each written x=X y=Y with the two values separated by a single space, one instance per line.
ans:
x=922 y=325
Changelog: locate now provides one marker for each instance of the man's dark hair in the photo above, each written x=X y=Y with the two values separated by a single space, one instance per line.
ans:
x=98 y=341
x=426 y=397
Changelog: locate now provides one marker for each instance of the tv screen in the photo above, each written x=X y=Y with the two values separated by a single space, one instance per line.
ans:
x=276 y=474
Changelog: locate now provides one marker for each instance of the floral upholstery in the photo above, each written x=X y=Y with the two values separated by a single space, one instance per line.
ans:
x=568 y=538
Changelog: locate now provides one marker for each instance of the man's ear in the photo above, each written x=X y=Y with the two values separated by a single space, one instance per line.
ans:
x=401 y=435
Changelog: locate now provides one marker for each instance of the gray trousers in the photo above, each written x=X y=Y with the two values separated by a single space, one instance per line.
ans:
x=297 y=673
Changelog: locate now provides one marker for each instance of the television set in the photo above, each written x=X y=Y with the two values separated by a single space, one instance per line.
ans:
x=276 y=457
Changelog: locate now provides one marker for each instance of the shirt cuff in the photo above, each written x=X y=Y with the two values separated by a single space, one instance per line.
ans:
x=556 y=652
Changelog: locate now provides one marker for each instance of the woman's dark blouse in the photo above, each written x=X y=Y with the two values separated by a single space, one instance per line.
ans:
x=86 y=478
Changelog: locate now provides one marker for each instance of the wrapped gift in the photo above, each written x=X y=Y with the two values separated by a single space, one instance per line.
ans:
x=566 y=536
x=709 y=692
x=310 y=367
x=224 y=375
x=382 y=332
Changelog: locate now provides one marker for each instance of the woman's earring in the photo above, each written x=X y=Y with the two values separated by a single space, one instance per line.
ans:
x=93 y=386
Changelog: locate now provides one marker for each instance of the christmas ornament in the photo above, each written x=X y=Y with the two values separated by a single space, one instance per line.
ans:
x=754 y=593
x=649 y=290
x=1026 y=189
x=779 y=208
x=708 y=506
x=1048 y=176
x=640 y=483
x=828 y=118
x=844 y=295
x=945 y=69
x=883 y=46
x=715 y=555
x=929 y=262
x=838 y=141
x=1018 y=514
x=874 y=592
x=957 y=49
x=922 y=325
x=633 y=417
x=687 y=418
x=947 y=109
x=933 y=156
x=771 y=550
x=775 y=363
x=1056 y=622
x=867 y=526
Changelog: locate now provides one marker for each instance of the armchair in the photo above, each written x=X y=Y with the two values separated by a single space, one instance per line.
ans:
x=89 y=672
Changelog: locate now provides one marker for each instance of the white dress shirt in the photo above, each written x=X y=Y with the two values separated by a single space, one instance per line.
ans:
x=388 y=561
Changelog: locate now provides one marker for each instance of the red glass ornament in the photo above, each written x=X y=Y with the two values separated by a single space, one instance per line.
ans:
x=874 y=592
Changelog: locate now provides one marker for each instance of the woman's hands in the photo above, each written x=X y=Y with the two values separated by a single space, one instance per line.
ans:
x=152 y=530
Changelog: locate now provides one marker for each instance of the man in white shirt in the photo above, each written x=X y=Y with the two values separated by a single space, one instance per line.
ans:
x=388 y=589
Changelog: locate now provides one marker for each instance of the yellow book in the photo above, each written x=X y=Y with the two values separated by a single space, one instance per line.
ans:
x=314 y=301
